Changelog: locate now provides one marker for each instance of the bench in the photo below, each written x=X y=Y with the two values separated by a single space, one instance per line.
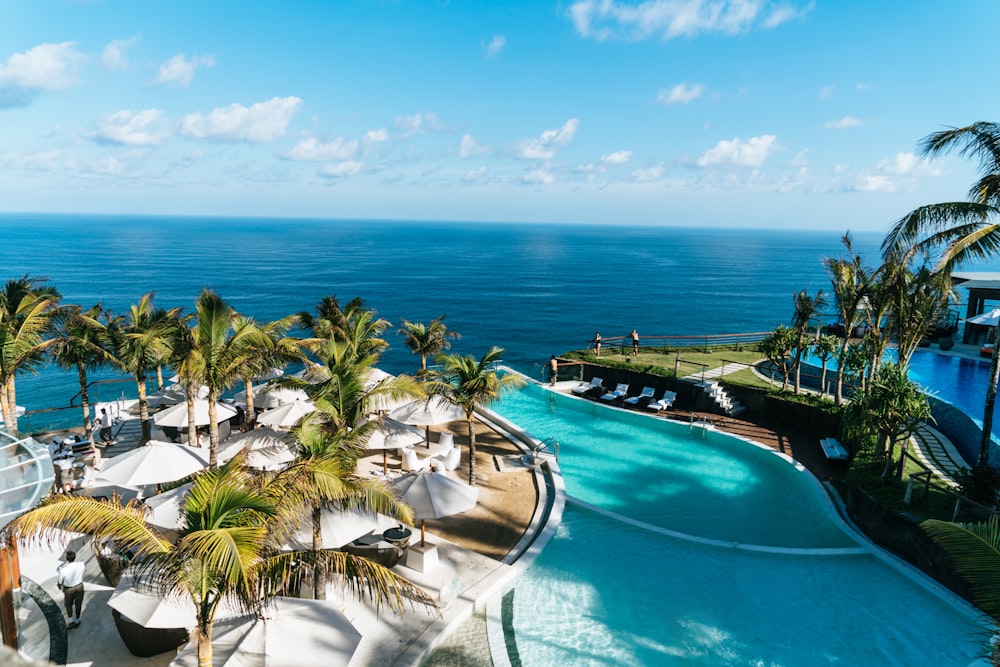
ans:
x=833 y=450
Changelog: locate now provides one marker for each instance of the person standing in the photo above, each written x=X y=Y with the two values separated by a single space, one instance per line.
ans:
x=553 y=369
x=106 y=428
x=635 y=343
x=597 y=344
x=69 y=579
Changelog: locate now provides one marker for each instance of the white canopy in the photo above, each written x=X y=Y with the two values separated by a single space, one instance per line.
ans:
x=177 y=416
x=155 y=462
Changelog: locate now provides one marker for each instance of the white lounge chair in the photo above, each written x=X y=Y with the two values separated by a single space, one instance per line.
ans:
x=647 y=394
x=666 y=402
x=583 y=387
x=449 y=461
x=619 y=391
x=414 y=463
x=446 y=441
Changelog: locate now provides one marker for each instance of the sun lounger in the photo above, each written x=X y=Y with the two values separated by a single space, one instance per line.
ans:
x=619 y=392
x=833 y=450
x=414 y=463
x=584 y=388
x=666 y=402
x=646 y=395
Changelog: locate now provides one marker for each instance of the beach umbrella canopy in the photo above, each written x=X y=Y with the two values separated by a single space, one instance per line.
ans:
x=177 y=416
x=175 y=393
x=990 y=319
x=287 y=416
x=392 y=434
x=289 y=633
x=145 y=605
x=433 y=495
x=269 y=375
x=338 y=527
x=264 y=448
x=271 y=396
x=155 y=462
x=431 y=412
x=165 y=510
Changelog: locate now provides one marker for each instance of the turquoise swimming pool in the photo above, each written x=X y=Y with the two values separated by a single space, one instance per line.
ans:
x=705 y=549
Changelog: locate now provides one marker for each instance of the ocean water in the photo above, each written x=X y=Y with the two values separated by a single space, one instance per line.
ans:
x=534 y=290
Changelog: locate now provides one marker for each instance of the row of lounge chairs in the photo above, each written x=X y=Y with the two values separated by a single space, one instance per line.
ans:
x=645 y=399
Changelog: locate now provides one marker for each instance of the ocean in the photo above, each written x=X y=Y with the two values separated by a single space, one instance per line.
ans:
x=534 y=290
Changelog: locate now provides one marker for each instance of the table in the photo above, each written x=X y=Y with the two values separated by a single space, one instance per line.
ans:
x=399 y=537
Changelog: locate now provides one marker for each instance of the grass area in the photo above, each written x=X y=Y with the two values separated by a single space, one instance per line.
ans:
x=665 y=362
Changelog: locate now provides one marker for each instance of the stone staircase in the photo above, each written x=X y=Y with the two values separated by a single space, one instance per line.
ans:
x=719 y=396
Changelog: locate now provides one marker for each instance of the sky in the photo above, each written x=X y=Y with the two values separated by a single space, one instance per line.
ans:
x=753 y=113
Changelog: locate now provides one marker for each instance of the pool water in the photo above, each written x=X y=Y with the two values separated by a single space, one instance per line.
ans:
x=604 y=591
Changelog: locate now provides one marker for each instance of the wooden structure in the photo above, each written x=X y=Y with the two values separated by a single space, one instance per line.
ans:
x=983 y=287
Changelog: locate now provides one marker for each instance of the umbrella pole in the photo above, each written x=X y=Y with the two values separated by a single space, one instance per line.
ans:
x=427 y=430
x=421 y=532
x=385 y=463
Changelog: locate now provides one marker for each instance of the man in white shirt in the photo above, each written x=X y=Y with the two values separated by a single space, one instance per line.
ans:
x=106 y=428
x=69 y=579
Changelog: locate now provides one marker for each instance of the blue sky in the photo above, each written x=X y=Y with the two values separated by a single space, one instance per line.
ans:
x=674 y=112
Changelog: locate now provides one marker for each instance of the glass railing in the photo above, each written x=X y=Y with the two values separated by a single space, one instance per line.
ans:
x=26 y=474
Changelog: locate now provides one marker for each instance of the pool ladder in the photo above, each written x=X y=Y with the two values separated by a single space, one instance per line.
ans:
x=531 y=459
x=701 y=422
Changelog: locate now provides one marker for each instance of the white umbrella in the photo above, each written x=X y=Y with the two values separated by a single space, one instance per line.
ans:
x=165 y=510
x=433 y=495
x=155 y=462
x=270 y=374
x=392 y=434
x=175 y=393
x=431 y=412
x=177 y=416
x=287 y=416
x=265 y=448
x=271 y=396
x=147 y=606
x=289 y=633
x=989 y=319
x=339 y=527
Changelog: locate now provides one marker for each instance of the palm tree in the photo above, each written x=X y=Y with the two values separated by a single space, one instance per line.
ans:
x=921 y=300
x=139 y=342
x=323 y=475
x=824 y=348
x=961 y=231
x=428 y=340
x=79 y=345
x=849 y=279
x=226 y=552
x=279 y=351
x=778 y=349
x=472 y=384
x=975 y=551
x=27 y=306
x=806 y=308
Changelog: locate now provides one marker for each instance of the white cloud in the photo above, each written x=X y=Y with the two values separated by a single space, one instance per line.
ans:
x=418 y=123
x=341 y=169
x=468 y=147
x=376 y=136
x=680 y=94
x=474 y=175
x=877 y=183
x=667 y=19
x=827 y=92
x=46 y=67
x=495 y=46
x=618 y=157
x=544 y=147
x=133 y=128
x=844 y=123
x=903 y=163
x=115 y=53
x=739 y=152
x=650 y=174
x=263 y=121
x=538 y=177
x=179 y=71
x=313 y=151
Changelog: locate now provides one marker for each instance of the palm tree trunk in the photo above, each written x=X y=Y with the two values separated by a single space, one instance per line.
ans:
x=147 y=429
x=840 y=370
x=251 y=413
x=822 y=379
x=798 y=364
x=213 y=428
x=191 y=393
x=472 y=450
x=991 y=399
x=319 y=572
x=204 y=635
x=5 y=403
x=11 y=422
x=81 y=372
x=159 y=378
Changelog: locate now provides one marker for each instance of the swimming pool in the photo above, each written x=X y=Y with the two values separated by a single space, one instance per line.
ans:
x=740 y=562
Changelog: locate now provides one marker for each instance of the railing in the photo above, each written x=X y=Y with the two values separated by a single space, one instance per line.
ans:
x=924 y=478
x=704 y=342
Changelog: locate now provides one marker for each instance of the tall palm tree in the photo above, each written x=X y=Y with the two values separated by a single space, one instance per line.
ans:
x=961 y=231
x=824 y=348
x=140 y=341
x=226 y=551
x=921 y=300
x=279 y=351
x=848 y=278
x=27 y=306
x=806 y=308
x=472 y=384
x=323 y=476
x=79 y=345
x=429 y=339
